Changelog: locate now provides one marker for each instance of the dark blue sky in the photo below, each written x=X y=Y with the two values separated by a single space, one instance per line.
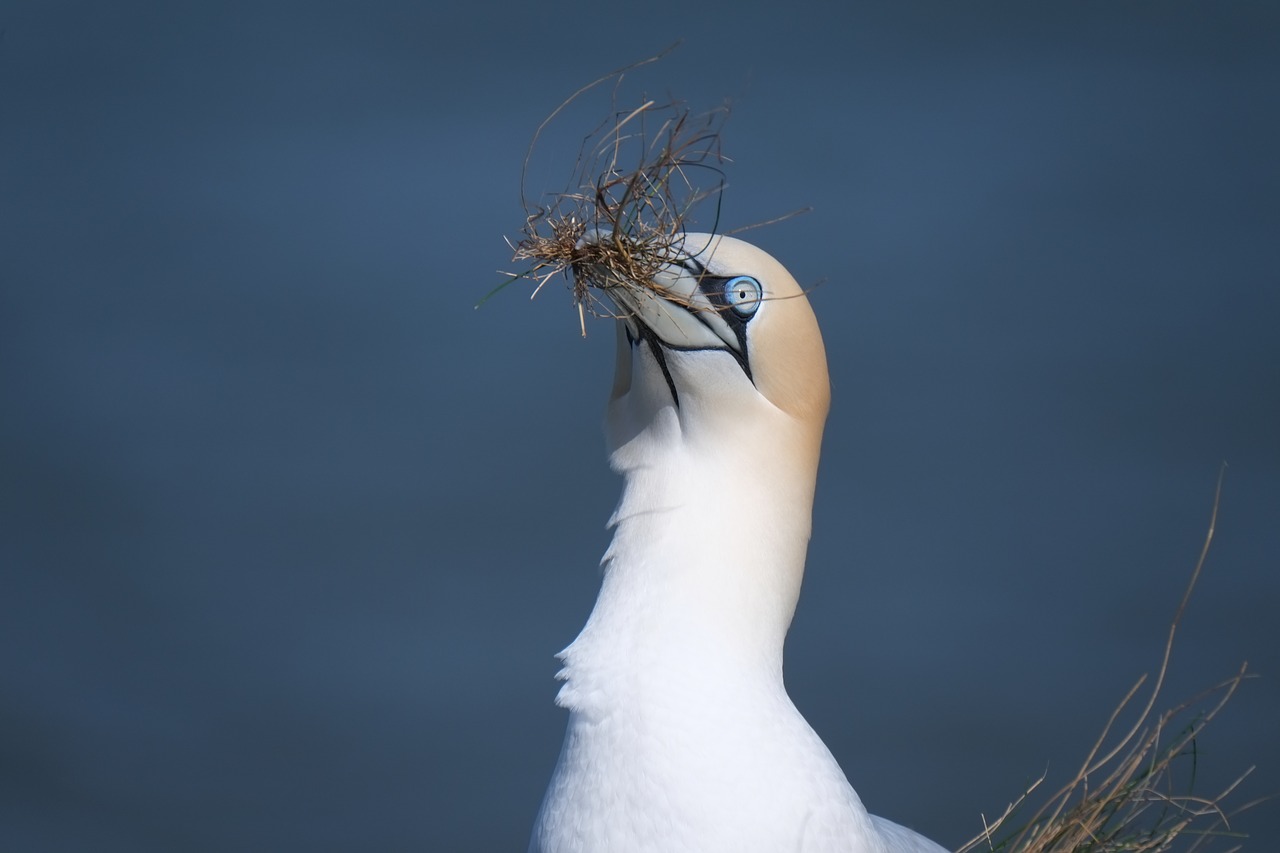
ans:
x=289 y=533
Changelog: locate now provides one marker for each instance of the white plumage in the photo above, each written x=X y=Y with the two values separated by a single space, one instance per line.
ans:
x=681 y=735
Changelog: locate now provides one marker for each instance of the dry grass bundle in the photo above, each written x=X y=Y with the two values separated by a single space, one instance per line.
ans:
x=639 y=177
x=1124 y=797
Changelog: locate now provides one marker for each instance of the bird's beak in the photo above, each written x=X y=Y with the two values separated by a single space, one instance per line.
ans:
x=674 y=309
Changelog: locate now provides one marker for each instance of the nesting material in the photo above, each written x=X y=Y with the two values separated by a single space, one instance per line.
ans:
x=639 y=179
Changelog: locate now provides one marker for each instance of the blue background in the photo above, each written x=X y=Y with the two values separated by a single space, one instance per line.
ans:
x=289 y=533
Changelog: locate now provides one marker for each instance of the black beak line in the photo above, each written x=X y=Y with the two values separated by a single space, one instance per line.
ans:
x=656 y=346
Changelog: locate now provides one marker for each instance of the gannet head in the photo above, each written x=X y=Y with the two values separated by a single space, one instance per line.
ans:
x=723 y=337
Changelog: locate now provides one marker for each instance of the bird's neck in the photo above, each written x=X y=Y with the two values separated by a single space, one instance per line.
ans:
x=701 y=579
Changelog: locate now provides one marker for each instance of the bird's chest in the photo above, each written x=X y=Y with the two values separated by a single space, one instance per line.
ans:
x=676 y=775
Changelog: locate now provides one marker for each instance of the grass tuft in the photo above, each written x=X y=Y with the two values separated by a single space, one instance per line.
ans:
x=1134 y=791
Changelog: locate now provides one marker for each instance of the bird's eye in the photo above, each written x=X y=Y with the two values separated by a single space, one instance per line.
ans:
x=742 y=294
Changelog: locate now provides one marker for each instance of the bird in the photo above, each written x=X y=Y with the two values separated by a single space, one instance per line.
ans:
x=681 y=735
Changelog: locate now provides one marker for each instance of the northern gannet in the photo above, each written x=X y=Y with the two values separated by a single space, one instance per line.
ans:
x=681 y=735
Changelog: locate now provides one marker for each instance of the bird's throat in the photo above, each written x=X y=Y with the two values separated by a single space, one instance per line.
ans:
x=702 y=574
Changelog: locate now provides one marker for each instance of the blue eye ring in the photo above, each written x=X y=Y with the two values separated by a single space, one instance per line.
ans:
x=742 y=294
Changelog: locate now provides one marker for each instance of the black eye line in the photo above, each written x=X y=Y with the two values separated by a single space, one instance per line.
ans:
x=713 y=287
x=694 y=266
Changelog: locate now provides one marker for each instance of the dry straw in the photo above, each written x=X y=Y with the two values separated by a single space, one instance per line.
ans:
x=639 y=178
x=1134 y=790
x=638 y=210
